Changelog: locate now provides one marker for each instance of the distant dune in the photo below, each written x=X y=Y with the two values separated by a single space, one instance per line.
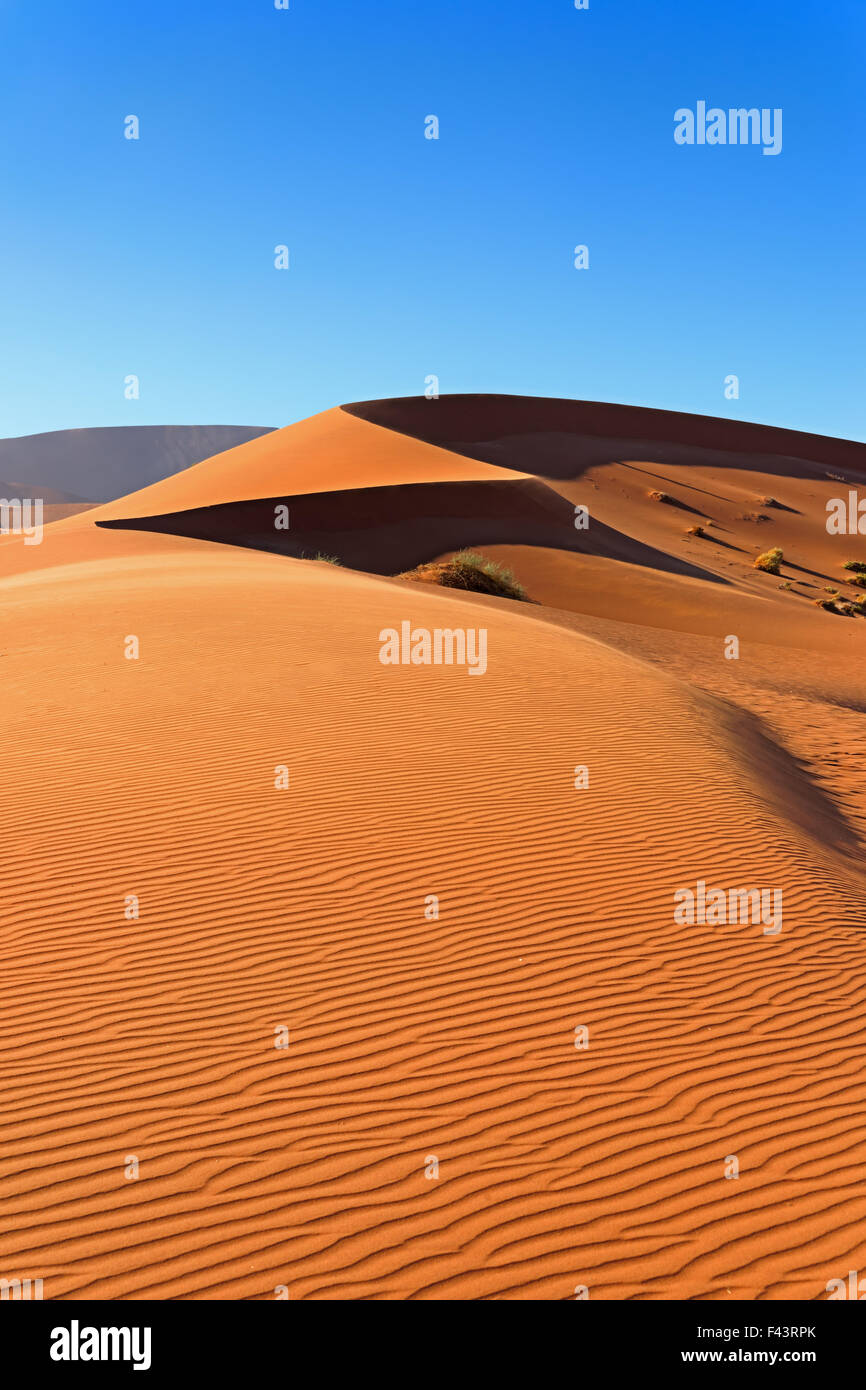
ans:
x=436 y=1127
x=99 y=464
x=51 y=496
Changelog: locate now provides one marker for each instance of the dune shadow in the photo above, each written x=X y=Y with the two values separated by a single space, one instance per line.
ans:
x=816 y=574
x=775 y=505
x=387 y=530
x=787 y=783
x=726 y=545
x=560 y=439
x=670 y=501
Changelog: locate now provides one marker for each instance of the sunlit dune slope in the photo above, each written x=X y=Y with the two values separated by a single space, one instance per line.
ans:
x=304 y=908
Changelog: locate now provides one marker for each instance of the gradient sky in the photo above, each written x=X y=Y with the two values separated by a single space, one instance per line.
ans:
x=411 y=256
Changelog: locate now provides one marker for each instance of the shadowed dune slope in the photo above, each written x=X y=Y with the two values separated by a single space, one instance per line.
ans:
x=561 y=437
x=385 y=529
x=304 y=908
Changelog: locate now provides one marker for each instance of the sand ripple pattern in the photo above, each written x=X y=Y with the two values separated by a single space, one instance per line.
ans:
x=304 y=908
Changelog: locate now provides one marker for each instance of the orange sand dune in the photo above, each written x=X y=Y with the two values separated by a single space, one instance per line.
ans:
x=419 y=500
x=304 y=908
x=323 y=454
x=412 y=1038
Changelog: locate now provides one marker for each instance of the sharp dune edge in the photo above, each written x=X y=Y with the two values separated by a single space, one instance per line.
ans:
x=304 y=908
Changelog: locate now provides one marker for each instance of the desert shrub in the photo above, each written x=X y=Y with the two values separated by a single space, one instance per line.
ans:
x=858 y=565
x=770 y=560
x=696 y=531
x=661 y=497
x=469 y=570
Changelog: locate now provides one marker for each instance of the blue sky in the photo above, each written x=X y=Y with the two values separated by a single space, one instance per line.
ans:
x=411 y=256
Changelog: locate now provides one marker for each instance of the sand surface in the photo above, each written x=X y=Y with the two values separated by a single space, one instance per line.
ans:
x=303 y=907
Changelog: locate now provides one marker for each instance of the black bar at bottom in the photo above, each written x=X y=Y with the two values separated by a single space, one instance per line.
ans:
x=308 y=1338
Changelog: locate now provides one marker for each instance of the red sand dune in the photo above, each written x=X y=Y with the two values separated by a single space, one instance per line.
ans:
x=304 y=907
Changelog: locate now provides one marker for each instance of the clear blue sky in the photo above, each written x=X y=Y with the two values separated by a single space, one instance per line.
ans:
x=411 y=256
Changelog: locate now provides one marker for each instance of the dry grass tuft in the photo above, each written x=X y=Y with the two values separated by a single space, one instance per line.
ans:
x=469 y=570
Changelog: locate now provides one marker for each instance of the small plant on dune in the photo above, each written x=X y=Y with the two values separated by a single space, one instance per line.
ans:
x=328 y=559
x=828 y=589
x=858 y=565
x=661 y=496
x=768 y=502
x=469 y=570
x=696 y=531
x=770 y=561
x=859 y=580
x=786 y=585
x=841 y=607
